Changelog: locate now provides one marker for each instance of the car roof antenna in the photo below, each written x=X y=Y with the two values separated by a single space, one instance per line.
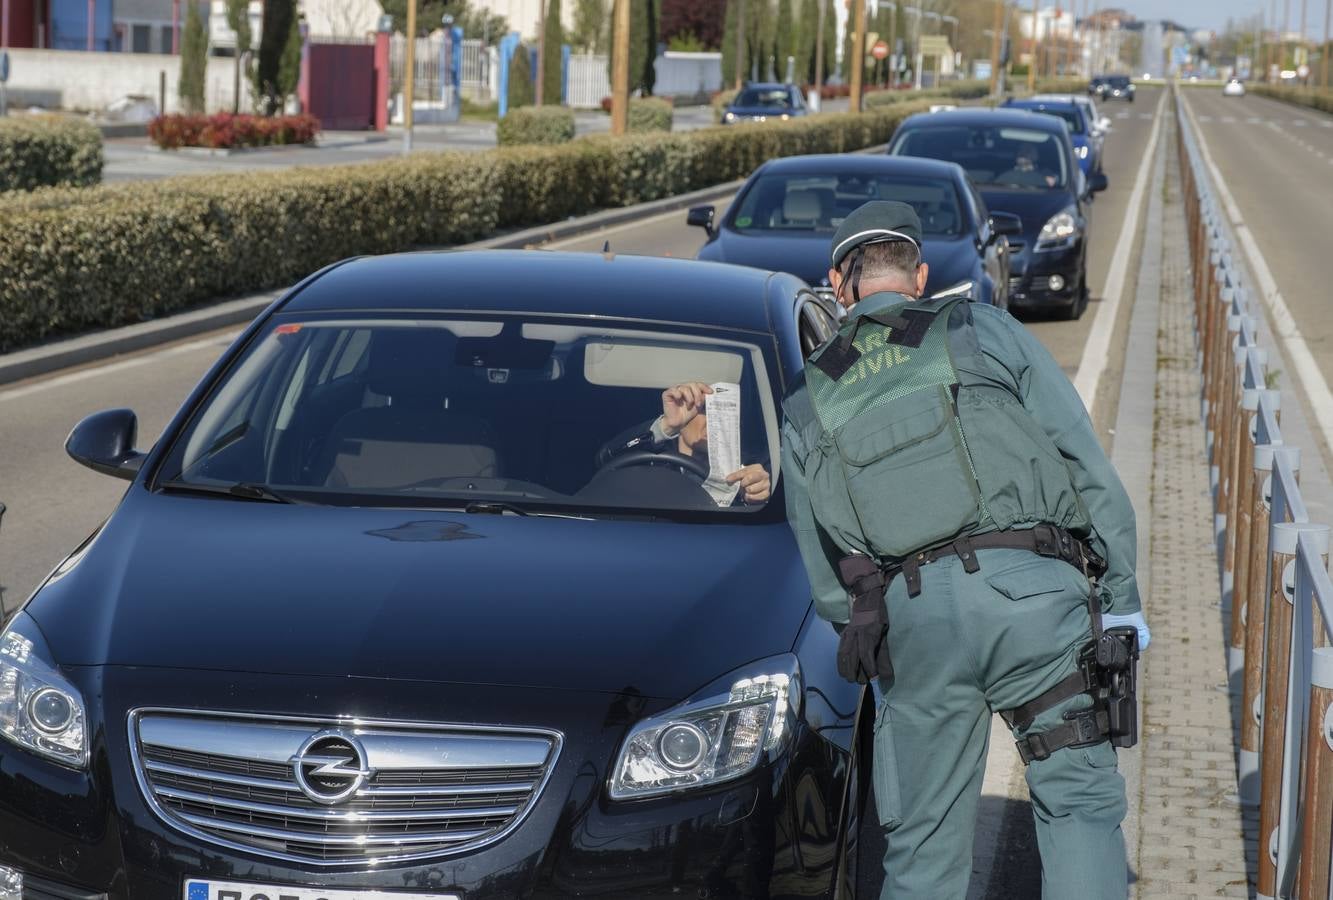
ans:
x=606 y=250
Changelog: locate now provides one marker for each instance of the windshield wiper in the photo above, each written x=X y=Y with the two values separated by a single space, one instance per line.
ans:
x=241 y=490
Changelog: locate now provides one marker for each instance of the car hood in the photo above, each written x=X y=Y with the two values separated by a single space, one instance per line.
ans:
x=1035 y=208
x=197 y=583
x=807 y=256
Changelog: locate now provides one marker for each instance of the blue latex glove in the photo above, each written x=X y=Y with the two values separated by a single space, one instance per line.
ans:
x=1136 y=620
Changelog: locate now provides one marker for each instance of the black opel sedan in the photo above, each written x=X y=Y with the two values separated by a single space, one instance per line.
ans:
x=1023 y=163
x=784 y=216
x=394 y=611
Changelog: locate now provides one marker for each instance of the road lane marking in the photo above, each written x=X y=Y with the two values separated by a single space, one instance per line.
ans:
x=1283 y=322
x=1228 y=120
x=1299 y=123
x=1096 y=350
x=35 y=387
x=1254 y=120
x=1205 y=118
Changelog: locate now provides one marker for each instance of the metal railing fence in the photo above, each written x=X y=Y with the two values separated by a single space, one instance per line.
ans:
x=1272 y=560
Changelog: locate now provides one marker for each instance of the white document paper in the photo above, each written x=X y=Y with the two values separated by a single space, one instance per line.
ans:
x=724 y=441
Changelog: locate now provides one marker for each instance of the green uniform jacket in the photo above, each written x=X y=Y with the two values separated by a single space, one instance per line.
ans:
x=1047 y=395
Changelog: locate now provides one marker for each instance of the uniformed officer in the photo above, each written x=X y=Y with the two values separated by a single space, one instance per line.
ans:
x=935 y=444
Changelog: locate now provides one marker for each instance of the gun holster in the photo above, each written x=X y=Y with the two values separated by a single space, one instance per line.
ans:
x=1117 y=661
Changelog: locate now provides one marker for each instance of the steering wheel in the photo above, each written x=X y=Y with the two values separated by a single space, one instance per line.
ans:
x=692 y=465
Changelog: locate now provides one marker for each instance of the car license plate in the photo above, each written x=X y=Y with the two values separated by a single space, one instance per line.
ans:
x=200 y=889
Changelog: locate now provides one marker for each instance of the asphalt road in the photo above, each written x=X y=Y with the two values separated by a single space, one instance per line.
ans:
x=54 y=503
x=1277 y=161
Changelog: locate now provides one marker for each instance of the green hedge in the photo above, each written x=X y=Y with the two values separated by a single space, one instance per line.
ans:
x=41 y=151
x=536 y=125
x=78 y=259
x=649 y=114
x=1314 y=98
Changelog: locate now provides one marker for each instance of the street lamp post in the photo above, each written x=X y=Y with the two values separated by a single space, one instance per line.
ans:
x=995 y=48
x=1323 y=50
x=858 y=61
x=409 y=75
x=1033 y=56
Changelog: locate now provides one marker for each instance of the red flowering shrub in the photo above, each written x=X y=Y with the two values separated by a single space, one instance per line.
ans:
x=225 y=131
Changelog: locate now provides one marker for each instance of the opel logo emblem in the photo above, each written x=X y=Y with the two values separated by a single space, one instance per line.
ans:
x=330 y=767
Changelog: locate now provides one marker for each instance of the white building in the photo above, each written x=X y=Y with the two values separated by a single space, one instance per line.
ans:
x=522 y=15
x=1048 y=24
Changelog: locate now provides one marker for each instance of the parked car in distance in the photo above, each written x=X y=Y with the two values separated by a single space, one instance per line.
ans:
x=393 y=611
x=1112 y=87
x=1022 y=163
x=1233 y=88
x=761 y=102
x=784 y=216
x=1087 y=146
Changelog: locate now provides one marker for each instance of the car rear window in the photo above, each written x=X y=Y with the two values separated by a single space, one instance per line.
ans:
x=816 y=202
x=514 y=409
x=994 y=156
x=1071 y=116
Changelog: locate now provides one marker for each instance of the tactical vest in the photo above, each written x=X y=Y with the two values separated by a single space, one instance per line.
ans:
x=910 y=458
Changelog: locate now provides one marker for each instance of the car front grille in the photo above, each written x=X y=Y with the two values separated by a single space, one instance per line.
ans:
x=412 y=791
x=1035 y=284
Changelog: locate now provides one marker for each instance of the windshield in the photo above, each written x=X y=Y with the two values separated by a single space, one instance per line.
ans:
x=775 y=98
x=528 y=412
x=811 y=203
x=1119 y=81
x=1072 y=117
x=992 y=156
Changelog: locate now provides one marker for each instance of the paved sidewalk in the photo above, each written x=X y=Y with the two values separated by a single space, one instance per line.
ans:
x=1192 y=840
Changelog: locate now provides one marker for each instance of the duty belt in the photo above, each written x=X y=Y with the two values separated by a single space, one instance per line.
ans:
x=1045 y=540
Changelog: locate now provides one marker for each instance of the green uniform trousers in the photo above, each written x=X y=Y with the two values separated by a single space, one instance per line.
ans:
x=967 y=645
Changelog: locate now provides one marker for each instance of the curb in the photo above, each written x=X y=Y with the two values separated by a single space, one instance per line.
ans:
x=63 y=354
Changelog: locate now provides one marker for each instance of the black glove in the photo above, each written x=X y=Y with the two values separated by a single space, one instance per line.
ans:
x=863 y=646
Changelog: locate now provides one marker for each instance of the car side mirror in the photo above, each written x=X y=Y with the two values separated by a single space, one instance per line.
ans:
x=1104 y=123
x=104 y=442
x=701 y=217
x=1097 y=182
x=1006 y=224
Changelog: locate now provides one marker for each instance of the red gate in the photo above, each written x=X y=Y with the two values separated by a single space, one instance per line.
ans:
x=338 y=85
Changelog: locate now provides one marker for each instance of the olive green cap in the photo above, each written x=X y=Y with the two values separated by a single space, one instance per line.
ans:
x=873 y=222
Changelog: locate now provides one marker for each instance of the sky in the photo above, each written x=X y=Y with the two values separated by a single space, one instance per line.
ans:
x=1213 y=14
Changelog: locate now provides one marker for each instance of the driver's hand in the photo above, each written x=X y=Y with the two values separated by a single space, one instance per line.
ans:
x=682 y=403
x=754 y=482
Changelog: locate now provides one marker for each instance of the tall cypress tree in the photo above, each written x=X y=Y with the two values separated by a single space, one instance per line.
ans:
x=643 y=25
x=830 y=39
x=194 y=61
x=279 y=19
x=555 y=36
x=729 y=60
x=803 y=41
x=784 y=33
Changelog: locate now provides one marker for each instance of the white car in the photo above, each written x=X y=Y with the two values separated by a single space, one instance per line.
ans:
x=1233 y=88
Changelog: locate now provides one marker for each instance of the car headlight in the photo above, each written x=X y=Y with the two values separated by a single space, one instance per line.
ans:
x=1081 y=152
x=39 y=710
x=721 y=734
x=729 y=117
x=1059 y=231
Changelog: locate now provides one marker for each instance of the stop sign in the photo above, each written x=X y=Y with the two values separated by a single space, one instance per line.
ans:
x=880 y=50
